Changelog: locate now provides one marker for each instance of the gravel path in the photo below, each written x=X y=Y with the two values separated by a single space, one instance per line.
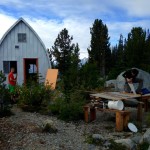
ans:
x=23 y=131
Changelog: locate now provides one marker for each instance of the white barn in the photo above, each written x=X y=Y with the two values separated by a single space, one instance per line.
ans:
x=22 y=48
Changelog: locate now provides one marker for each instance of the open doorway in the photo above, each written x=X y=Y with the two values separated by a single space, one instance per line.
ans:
x=30 y=69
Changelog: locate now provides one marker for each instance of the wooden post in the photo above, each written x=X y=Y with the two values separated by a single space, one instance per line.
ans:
x=139 y=111
x=86 y=114
x=146 y=105
x=126 y=117
x=92 y=114
x=119 y=121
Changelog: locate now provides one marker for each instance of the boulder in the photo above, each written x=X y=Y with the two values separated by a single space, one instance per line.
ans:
x=128 y=143
x=146 y=137
x=111 y=83
x=97 y=137
x=120 y=81
x=136 y=138
x=49 y=126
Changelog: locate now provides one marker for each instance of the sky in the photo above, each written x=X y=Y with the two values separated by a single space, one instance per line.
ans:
x=49 y=17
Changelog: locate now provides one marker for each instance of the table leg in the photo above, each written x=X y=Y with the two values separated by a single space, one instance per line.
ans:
x=92 y=114
x=86 y=114
x=126 y=120
x=119 y=121
x=146 y=105
x=139 y=112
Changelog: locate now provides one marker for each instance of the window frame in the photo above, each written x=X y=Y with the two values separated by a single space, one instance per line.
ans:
x=22 y=37
x=9 y=65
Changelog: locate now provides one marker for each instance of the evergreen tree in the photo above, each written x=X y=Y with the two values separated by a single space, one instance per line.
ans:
x=75 y=57
x=134 y=48
x=66 y=55
x=50 y=54
x=63 y=50
x=99 y=48
x=146 y=60
x=114 y=56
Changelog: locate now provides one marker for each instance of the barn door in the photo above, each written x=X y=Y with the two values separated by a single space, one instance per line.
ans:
x=30 y=69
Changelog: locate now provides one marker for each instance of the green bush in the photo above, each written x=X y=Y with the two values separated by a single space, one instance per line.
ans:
x=90 y=140
x=4 y=97
x=69 y=107
x=89 y=77
x=35 y=96
x=143 y=146
x=116 y=146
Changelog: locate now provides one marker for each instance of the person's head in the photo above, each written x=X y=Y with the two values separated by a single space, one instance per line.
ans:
x=12 y=69
x=134 y=72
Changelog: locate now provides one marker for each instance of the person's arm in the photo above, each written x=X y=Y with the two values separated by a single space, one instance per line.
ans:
x=129 y=80
x=12 y=78
x=16 y=77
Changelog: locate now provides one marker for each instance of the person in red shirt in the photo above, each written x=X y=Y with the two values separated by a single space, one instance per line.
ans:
x=12 y=82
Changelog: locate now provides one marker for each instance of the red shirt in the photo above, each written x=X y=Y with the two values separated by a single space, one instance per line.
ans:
x=10 y=78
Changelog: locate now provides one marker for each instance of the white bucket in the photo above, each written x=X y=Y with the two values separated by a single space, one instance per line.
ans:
x=116 y=105
x=132 y=127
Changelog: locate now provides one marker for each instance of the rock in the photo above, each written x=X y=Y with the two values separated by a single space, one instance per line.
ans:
x=136 y=138
x=120 y=81
x=97 y=137
x=49 y=126
x=146 y=136
x=149 y=148
x=128 y=143
x=107 y=144
x=111 y=83
x=91 y=147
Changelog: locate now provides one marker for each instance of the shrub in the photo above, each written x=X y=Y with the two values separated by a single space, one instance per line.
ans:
x=69 y=107
x=35 y=96
x=143 y=146
x=115 y=146
x=4 y=97
x=89 y=77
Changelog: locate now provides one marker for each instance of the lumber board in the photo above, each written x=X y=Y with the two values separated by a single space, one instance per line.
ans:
x=116 y=95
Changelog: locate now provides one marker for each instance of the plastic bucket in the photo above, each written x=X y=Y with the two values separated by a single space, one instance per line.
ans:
x=132 y=127
x=116 y=105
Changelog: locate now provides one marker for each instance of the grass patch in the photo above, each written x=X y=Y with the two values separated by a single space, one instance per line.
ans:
x=116 y=146
x=90 y=140
x=143 y=146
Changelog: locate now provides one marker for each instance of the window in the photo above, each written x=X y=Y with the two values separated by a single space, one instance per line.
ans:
x=32 y=68
x=22 y=37
x=7 y=65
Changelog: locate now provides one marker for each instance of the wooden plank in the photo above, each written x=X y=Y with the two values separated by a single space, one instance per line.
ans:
x=116 y=95
x=51 y=78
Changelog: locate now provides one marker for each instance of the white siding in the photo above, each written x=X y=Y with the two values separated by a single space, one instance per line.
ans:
x=33 y=48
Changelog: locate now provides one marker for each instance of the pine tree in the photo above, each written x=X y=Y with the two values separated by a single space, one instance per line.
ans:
x=99 y=49
x=134 y=48
x=63 y=50
x=75 y=57
x=50 y=55
x=120 y=53
x=146 y=60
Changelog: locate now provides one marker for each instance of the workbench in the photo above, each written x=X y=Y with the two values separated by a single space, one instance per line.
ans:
x=122 y=116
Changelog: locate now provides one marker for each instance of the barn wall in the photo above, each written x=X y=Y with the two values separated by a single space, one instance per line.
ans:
x=33 y=48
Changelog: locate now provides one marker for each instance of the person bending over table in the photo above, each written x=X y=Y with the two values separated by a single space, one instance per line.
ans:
x=131 y=77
